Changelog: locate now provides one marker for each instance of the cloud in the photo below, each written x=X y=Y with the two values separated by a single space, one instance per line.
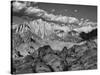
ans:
x=60 y=18
x=73 y=20
x=17 y=6
x=34 y=10
x=51 y=17
x=42 y=13
x=85 y=29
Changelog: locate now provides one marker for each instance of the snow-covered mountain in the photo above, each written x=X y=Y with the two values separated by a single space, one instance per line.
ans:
x=50 y=30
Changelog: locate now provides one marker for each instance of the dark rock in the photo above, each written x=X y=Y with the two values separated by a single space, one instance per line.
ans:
x=45 y=50
x=90 y=35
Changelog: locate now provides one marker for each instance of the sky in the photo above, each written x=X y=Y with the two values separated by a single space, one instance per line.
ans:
x=78 y=11
x=52 y=9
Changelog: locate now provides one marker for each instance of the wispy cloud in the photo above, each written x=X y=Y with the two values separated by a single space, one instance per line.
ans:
x=34 y=10
x=60 y=18
x=17 y=6
x=42 y=13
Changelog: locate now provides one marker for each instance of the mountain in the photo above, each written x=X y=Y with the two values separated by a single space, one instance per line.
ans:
x=45 y=29
x=38 y=32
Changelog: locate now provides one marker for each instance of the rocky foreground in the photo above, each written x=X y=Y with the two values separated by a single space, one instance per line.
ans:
x=45 y=59
x=32 y=54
